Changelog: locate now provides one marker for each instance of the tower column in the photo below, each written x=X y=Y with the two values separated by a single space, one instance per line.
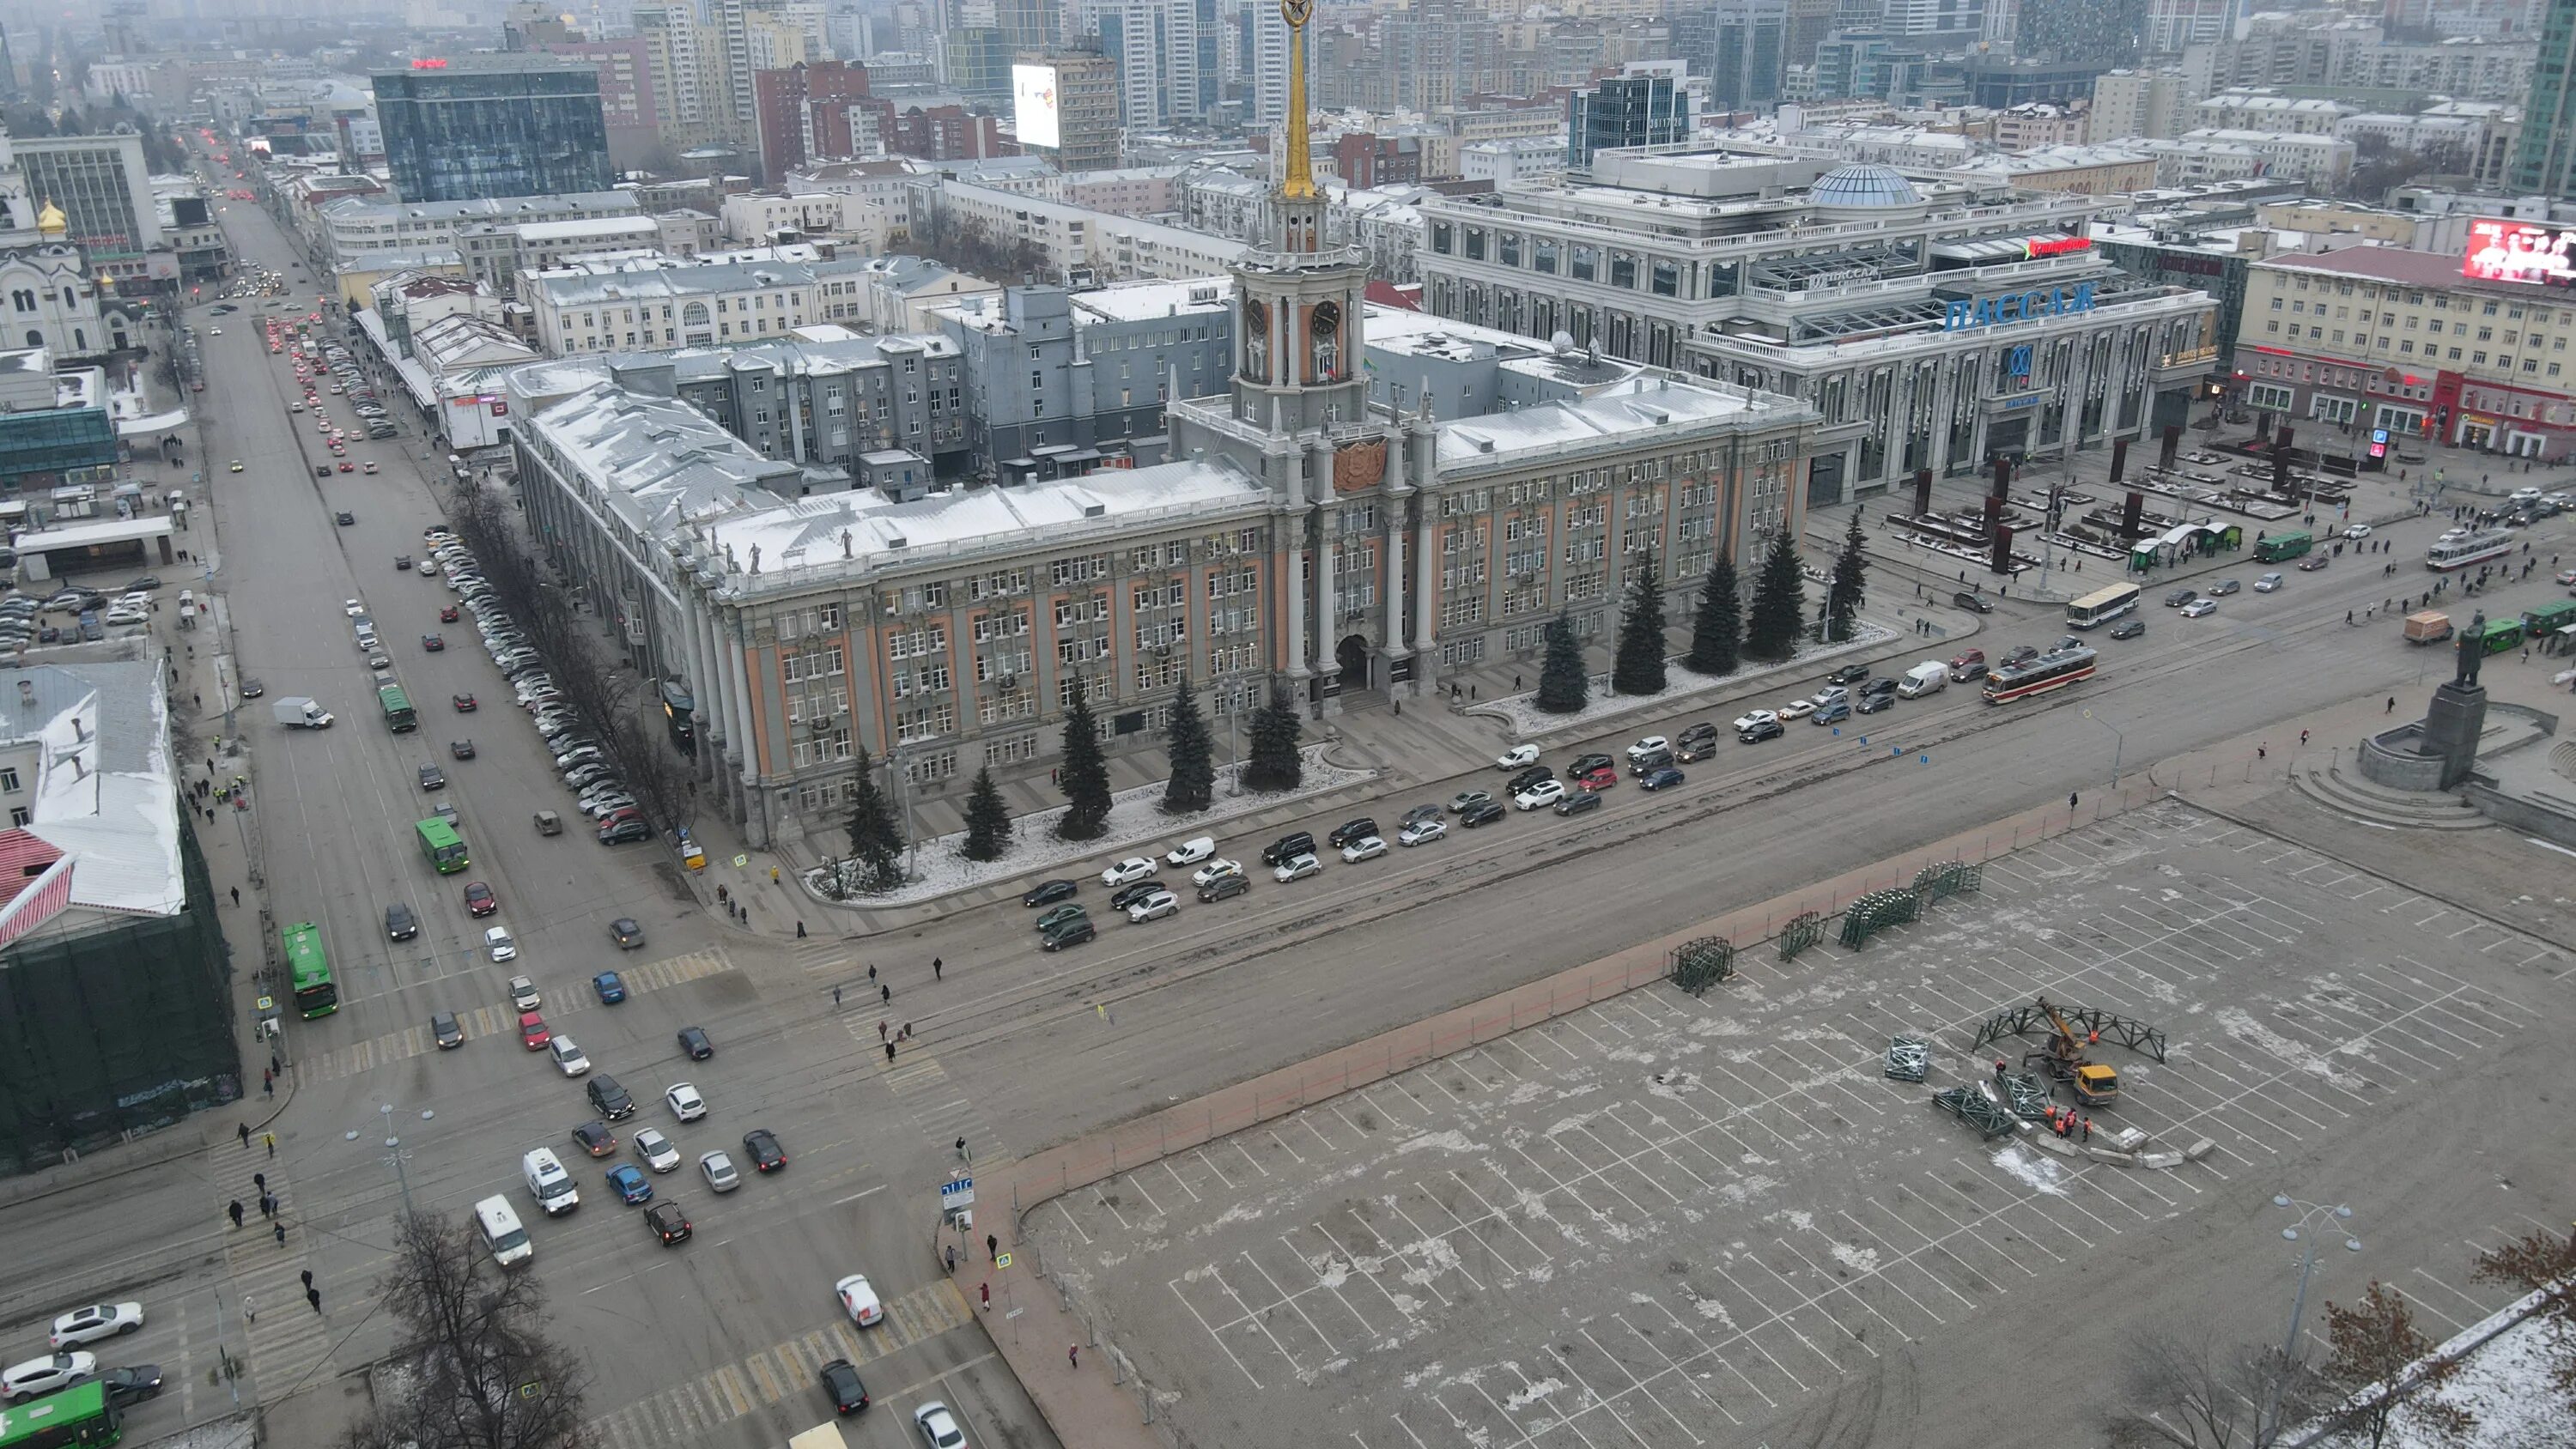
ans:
x=1391 y=546
x=1426 y=529
x=1328 y=659
x=1291 y=554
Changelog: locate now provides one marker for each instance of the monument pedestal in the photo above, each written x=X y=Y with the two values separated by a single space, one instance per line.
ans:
x=2452 y=728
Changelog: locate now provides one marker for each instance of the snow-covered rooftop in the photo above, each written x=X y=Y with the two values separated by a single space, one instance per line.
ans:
x=104 y=792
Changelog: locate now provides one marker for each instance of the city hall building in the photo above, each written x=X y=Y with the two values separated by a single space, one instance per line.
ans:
x=1931 y=324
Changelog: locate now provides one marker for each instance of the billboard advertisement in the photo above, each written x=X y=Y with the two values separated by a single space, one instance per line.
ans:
x=2519 y=251
x=1033 y=106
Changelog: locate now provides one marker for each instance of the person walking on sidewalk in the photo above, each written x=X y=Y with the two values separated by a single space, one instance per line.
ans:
x=236 y=1211
x=992 y=1248
x=236 y=895
x=1073 y=1356
x=938 y=969
x=885 y=994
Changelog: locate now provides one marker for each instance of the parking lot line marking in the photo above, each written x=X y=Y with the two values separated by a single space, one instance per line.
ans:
x=1888 y=1247
x=2480 y=1309
x=1834 y=1285
x=1201 y=1154
x=1661 y=1147
x=1274 y=1136
x=1101 y=1196
x=1586 y=1170
x=1498 y=1215
x=1687 y=1381
x=1218 y=1339
x=1635 y=1385
x=1294 y=1303
x=1166 y=1165
x=1456 y=1263
x=1361 y=1263
x=1408 y=1432
x=1514 y=1269
x=1394 y=1120
x=1247 y=1156
x=1307 y=1121
x=1966 y=1228
x=1431 y=1073
x=1781 y=1317
x=2031 y=1200
x=1335 y=1107
x=1336 y=1258
x=1064 y=1210
x=1244 y=1314
x=1430 y=1271
x=1150 y=1201
x=1619 y=1158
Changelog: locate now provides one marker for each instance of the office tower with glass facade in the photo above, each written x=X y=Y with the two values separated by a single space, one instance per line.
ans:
x=494 y=126
x=2545 y=159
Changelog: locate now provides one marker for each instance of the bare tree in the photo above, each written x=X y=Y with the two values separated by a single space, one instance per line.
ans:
x=484 y=1374
x=2383 y=1364
x=2192 y=1394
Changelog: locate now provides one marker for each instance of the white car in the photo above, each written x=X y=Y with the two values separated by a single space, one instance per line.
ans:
x=1214 y=871
x=352 y=608
x=1518 y=757
x=2269 y=583
x=938 y=1427
x=719 y=1172
x=1367 y=847
x=1422 y=832
x=97 y=1321
x=2198 y=607
x=1545 y=792
x=2524 y=495
x=1153 y=908
x=859 y=1300
x=686 y=1103
x=569 y=1056
x=1794 y=709
x=1191 y=852
x=1127 y=872
x=39 y=1376
x=1298 y=867
x=1647 y=746
x=2358 y=530
x=497 y=941
x=655 y=1149
x=122 y=615
x=1752 y=717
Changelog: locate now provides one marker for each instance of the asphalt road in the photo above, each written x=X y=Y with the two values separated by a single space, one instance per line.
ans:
x=1015 y=1049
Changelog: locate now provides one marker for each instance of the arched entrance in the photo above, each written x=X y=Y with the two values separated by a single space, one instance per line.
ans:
x=1353 y=655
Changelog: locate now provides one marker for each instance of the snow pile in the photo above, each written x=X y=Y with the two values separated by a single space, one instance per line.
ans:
x=1136 y=819
x=1522 y=714
x=2505 y=1382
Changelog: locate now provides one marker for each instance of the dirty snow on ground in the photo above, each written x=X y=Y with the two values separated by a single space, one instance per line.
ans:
x=2506 y=1384
x=1522 y=714
x=1137 y=826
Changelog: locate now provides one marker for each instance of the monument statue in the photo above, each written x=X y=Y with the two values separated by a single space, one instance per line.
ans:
x=2473 y=652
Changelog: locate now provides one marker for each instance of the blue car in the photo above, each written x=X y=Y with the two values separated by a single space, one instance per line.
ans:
x=1661 y=779
x=611 y=990
x=631 y=1184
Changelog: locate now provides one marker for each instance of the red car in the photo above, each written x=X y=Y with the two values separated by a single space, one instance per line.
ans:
x=346 y=467
x=447 y=615
x=532 y=1031
x=432 y=643
x=464 y=703
x=479 y=900
x=1599 y=777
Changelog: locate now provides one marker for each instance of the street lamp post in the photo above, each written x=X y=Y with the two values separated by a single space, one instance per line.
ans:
x=2312 y=1217
x=2119 y=743
x=394 y=1153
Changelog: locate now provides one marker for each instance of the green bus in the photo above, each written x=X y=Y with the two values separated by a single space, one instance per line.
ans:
x=2499 y=635
x=399 y=716
x=309 y=966
x=443 y=847
x=2282 y=546
x=81 y=1414
x=2549 y=618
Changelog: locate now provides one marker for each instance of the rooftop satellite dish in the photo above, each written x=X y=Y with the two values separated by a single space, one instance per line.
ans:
x=1562 y=341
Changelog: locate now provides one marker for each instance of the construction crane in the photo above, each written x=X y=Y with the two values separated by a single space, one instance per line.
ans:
x=2094 y=1085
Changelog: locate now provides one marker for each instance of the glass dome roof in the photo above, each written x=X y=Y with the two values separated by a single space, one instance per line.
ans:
x=1861 y=185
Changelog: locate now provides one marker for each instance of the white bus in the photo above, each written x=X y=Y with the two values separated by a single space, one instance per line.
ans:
x=2102 y=606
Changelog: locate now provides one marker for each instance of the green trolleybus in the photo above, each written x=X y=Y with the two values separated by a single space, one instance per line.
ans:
x=399 y=716
x=309 y=967
x=81 y=1414
x=2282 y=546
x=442 y=846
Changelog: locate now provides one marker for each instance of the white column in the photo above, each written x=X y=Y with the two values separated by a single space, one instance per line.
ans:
x=1291 y=556
x=702 y=685
x=1426 y=645
x=742 y=753
x=1391 y=548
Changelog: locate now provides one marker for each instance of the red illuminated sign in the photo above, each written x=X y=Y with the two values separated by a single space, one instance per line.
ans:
x=429 y=63
x=2517 y=251
x=2055 y=246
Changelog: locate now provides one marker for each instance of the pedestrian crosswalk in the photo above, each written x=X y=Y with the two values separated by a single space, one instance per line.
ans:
x=940 y=1109
x=687 y=1414
x=288 y=1339
x=820 y=957
x=499 y=1019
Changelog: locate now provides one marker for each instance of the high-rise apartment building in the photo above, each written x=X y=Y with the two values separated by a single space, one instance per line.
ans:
x=1740 y=46
x=628 y=104
x=1266 y=63
x=1649 y=105
x=102 y=188
x=672 y=40
x=801 y=114
x=1089 y=136
x=2545 y=159
x=1155 y=45
x=493 y=126
x=1957 y=22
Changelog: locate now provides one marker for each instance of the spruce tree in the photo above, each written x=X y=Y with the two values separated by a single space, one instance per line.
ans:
x=1843 y=596
x=1779 y=605
x=1084 y=774
x=1193 y=782
x=1639 y=668
x=1562 y=689
x=1275 y=763
x=988 y=820
x=876 y=842
x=1717 y=630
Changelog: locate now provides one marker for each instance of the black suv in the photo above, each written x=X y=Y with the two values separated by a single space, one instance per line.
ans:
x=1696 y=743
x=1529 y=777
x=1351 y=830
x=1579 y=801
x=1848 y=674
x=1287 y=846
x=1485 y=814
x=1974 y=603
x=611 y=1099
x=1071 y=933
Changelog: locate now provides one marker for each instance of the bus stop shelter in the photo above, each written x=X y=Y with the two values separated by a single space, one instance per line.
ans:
x=106 y=543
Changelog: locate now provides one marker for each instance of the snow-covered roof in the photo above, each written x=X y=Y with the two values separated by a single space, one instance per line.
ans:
x=104 y=793
x=1640 y=406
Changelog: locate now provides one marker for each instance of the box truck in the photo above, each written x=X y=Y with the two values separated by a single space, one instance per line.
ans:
x=298 y=713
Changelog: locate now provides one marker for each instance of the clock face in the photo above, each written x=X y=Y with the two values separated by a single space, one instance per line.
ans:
x=1296 y=12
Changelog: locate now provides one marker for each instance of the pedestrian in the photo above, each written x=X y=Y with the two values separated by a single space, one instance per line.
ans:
x=2262 y=751
x=992 y=1248
x=1471 y=694
x=937 y=969
x=279 y=1231
x=308 y=1277
x=199 y=699
x=952 y=1258
x=268 y=1088
x=1999 y=1069
x=905 y=1034
x=889 y=1053
x=237 y=895
x=267 y=1077
x=984 y=1296
x=272 y=1145
x=236 y=1210
x=267 y=1209
x=885 y=994
x=245 y=1136
x=2303 y=737
x=313 y=1296
x=2070 y=799
x=274 y=1065
x=259 y=1180
x=1073 y=1356
x=2088 y=1129
x=800 y=930
x=773 y=875
x=881 y=1031
x=872 y=972
x=2347 y=616
x=250 y=1310
x=2392 y=705
x=961 y=1151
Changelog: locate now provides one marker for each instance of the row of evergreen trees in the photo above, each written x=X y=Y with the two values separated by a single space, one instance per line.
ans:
x=876 y=840
x=1723 y=634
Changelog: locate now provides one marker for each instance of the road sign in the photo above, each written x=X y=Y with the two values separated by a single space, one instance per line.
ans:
x=740 y=861
x=957 y=1194
x=1003 y=1261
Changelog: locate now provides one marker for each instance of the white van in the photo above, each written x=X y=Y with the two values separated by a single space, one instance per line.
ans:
x=548 y=1183
x=502 y=1232
x=1924 y=678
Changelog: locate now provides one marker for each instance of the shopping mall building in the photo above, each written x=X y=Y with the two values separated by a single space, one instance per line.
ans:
x=1933 y=323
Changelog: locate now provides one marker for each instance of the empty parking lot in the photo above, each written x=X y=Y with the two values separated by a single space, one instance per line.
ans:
x=1668 y=1221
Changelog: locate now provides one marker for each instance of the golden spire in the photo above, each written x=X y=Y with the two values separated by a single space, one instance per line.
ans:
x=1297 y=179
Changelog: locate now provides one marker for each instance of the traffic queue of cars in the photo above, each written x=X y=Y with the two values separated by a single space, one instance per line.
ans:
x=68 y=1363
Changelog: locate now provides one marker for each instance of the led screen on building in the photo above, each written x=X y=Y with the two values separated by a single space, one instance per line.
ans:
x=1033 y=106
x=2518 y=251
